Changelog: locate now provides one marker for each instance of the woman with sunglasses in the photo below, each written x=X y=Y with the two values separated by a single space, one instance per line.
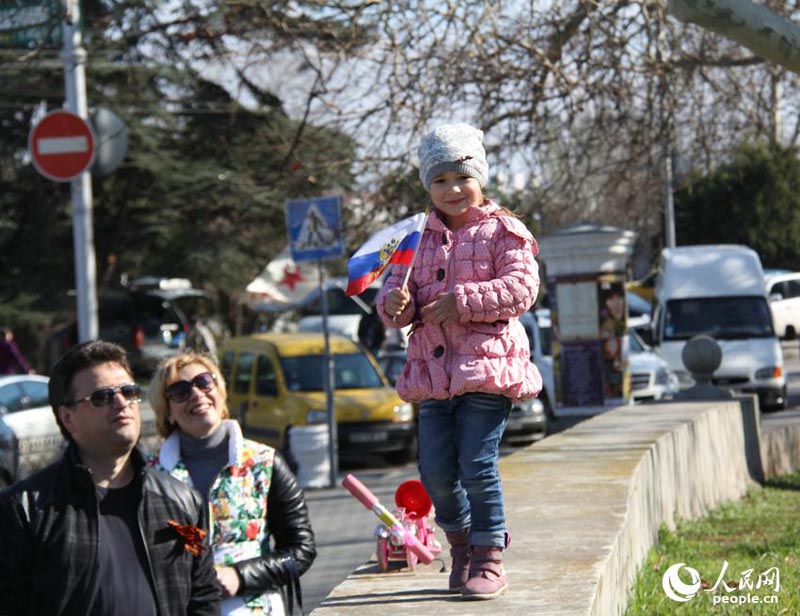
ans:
x=253 y=496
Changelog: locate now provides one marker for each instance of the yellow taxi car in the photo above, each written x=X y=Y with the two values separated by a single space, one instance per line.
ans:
x=276 y=381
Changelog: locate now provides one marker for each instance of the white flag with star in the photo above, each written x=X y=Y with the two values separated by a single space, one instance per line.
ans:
x=283 y=283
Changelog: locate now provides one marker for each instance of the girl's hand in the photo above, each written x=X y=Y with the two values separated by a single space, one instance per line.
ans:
x=229 y=581
x=441 y=311
x=396 y=301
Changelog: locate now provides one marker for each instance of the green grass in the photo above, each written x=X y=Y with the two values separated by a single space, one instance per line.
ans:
x=759 y=532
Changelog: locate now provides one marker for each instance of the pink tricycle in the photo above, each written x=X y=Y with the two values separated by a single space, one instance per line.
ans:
x=413 y=507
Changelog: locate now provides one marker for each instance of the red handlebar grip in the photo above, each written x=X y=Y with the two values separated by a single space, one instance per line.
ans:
x=360 y=491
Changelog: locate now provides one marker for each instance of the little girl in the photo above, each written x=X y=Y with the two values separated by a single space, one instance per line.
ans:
x=468 y=355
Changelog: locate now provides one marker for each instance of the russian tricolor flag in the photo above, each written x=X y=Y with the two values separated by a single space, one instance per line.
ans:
x=395 y=244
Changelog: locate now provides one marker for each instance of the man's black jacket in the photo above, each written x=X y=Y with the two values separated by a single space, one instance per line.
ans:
x=49 y=534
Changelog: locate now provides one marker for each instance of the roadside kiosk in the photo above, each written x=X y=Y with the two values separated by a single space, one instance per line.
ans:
x=586 y=266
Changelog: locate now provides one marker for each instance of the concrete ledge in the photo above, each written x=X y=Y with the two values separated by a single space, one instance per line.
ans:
x=584 y=507
x=780 y=444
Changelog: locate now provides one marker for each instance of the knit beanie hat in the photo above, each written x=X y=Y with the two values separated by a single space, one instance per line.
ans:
x=453 y=147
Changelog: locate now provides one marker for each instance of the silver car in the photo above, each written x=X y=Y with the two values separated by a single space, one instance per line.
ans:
x=651 y=378
x=29 y=435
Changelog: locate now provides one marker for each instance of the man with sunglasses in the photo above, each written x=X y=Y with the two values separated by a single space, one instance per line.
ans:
x=98 y=532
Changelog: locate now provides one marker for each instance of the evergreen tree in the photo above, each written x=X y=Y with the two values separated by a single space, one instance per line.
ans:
x=754 y=200
x=202 y=189
x=200 y=194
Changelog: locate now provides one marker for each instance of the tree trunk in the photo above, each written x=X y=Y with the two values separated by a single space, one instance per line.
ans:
x=756 y=27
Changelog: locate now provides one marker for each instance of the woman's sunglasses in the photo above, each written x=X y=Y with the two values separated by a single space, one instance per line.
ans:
x=181 y=391
x=104 y=397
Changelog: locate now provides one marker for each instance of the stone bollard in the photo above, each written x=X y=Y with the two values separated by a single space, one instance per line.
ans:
x=702 y=356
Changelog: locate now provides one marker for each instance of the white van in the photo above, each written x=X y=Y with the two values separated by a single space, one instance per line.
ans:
x=719 y=290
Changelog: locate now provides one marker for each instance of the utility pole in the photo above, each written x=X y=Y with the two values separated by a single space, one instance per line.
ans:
x=669 y=208
x=666 y=121
x=329 y=382
x=73 y=56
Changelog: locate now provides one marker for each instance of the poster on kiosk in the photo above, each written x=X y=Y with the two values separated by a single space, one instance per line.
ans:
x=590 y=345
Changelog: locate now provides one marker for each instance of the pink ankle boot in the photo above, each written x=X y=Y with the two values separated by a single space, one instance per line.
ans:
x=459 y=551
x=487 y=579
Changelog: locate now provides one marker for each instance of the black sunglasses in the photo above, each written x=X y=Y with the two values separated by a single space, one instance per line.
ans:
x=104 y=397
x=181 y=391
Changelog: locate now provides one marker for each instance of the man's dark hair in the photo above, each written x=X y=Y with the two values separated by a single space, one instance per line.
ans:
x=80 y=357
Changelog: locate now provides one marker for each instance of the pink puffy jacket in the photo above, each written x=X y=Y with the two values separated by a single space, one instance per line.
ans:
x=489 y=265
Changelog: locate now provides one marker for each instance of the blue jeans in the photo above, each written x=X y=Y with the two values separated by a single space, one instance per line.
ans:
x=458 y=452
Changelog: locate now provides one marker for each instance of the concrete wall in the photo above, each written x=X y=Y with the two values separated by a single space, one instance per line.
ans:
x=584 y=507
x=780 y=445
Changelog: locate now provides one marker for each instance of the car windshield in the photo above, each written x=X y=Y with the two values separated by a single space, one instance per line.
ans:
x=724 y=318
x=351 y=371
x=22 y=395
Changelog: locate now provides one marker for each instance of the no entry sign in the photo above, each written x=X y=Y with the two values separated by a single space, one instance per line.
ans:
x=61 y=146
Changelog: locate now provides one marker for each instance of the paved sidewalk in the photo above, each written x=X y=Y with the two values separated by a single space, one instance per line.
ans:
x=583 y=506
x=344 y=529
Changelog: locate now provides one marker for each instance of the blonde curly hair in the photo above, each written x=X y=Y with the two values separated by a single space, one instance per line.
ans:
x=166 y=375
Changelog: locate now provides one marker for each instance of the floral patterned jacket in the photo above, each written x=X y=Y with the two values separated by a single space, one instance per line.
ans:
x=253 y=495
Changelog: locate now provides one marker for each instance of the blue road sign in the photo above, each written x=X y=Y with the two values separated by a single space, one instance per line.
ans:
x=315 y=228
x=29 y=24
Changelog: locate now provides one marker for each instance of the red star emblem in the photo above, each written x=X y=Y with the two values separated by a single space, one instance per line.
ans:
x=291 y=277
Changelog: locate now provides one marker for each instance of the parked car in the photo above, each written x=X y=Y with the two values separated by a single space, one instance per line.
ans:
x=29 y=435
x=275 y=382
x=345 y=313
x=783 y=291
x=720 y=290
x=651 y=378
x=150 y=318
x=538 y=327
x=527 y=421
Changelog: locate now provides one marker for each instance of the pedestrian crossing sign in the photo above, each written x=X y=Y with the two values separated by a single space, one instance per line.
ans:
x=314 y=227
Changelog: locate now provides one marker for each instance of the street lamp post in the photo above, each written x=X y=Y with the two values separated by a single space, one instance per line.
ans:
x=669 y=209
x=74 y=58
x=666 y=121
